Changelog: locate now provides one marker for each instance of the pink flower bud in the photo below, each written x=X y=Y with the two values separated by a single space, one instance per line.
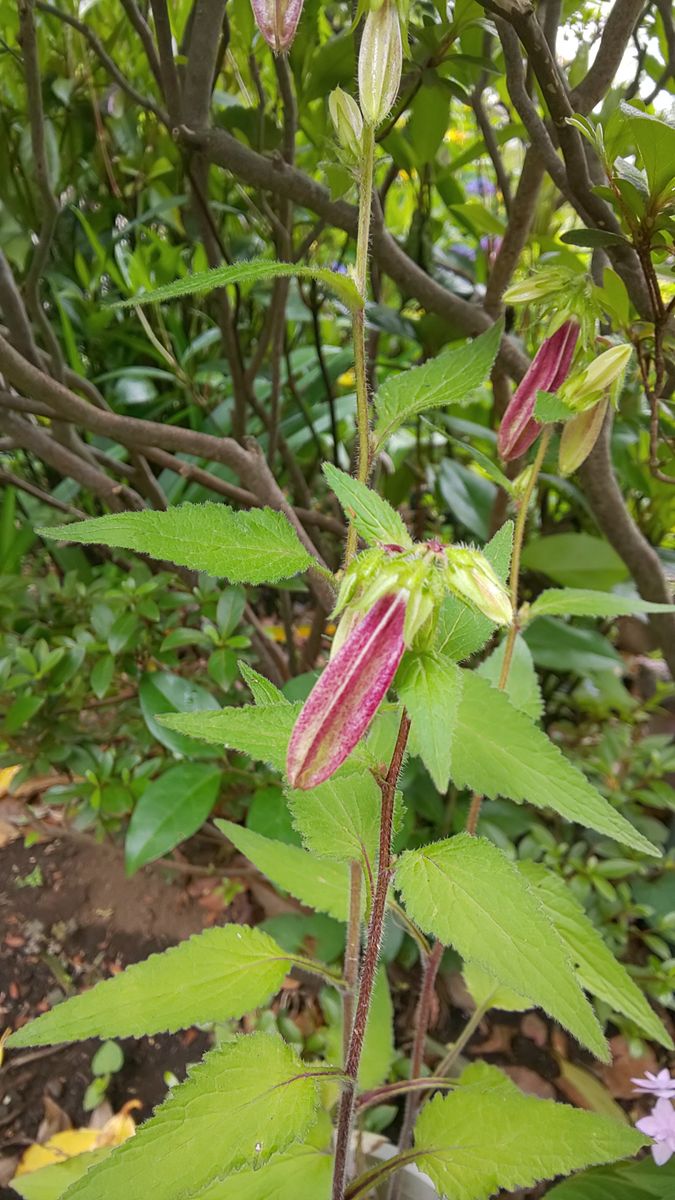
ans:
x=344 y=700
x=277 y=20
x=548 y=370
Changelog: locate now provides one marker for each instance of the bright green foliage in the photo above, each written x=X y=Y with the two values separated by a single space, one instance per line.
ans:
x=655 y=139
x=497 y=751
x=642 y=1180
x=487 y=1136
x=467 y=893
x=461 y=630
x=213 y=976
x=321 y=885
x=340 y=818
x=486 y=992
x=259 y=546
x=430 y=688
x=522 y=684
x=448 y=379
x=302 y=1171
x=246 y=272
x=575 y=560
x=582 y=602
x=374 y=519
x=597 y=969
x=264 y=691
x=263 y=732
x=245 y=1101
x=170 y=810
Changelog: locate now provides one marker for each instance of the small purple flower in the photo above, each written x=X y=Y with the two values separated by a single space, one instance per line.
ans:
x=277 y=20
x=661 y=1085
x=660 y=1126
x=548 y=370
x=344 y=700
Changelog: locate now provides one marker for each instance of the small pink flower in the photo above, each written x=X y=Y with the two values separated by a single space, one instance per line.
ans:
x=548 y=370
x=277 y=20
x=344 y=700
x=660 y=1126
x=661 y=1085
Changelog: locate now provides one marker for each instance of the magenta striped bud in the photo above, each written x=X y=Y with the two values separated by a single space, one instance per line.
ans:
x=548 y=370
x=277 y=20
x=343 y=702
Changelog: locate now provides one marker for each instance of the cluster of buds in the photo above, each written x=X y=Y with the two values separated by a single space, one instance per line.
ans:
x=388 y=603
x=277 y=20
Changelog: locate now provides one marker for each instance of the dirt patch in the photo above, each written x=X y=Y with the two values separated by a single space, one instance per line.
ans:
x=68 y=918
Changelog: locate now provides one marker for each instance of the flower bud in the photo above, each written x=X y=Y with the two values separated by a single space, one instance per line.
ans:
x=347 y=122
x=346 y=697
x=584 y=389
x=380 y=62
x=579 y=437
x=277 y=20
x=547 y=371
x=474 y=581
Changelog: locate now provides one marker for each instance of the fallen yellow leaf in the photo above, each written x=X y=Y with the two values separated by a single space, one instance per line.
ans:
x=71 y=1142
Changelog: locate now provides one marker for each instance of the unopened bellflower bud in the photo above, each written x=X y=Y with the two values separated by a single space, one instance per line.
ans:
x=473 y=579
x=586 y=387
x=547 y=371
x=380 y=62
x=579 y=436
x=277 y=20
x=347 y=122
x=346 y=697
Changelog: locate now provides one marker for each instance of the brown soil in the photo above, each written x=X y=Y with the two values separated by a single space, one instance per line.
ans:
x=69 y=917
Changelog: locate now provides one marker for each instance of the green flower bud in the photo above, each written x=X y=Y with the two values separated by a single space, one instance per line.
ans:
x=583 y=390
x=579 y=437
x=380 y=62
x=473 y=580
x=347 y=122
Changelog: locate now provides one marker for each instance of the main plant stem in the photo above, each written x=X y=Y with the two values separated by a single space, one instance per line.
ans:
x=433 y=961
x=359 y=320
x=370 y=961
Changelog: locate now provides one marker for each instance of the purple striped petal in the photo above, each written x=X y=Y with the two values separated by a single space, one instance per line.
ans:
x=548 y=370
x=344 y=700
x=277 y=20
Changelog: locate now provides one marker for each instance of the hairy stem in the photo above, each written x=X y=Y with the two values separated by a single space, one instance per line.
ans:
x=351 y=969
x=359 y=321
x=370 y=961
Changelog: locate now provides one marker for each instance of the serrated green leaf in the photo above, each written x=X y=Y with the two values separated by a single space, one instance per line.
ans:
x=486 y=993
x=301 y=1171
x=263 y=732
x=171 y=809
x=597 y=969
x=245 y=1101
x=449 y=379
x=522 y=685
x=465 y=892
x=483 y=1138
x=259 y=546
x=246 y=272
x=340 y=819
x=322 y=885
x=497 y=751
x=582 y=602
x=223 y=973
x=264 y=691
x=374 y=519
x=430 y=689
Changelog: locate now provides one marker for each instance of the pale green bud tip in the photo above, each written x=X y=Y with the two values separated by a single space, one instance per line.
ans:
x=586 y=388
x=380 y=62
x=579 y=437
x=472 y=578
x=347 y=121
